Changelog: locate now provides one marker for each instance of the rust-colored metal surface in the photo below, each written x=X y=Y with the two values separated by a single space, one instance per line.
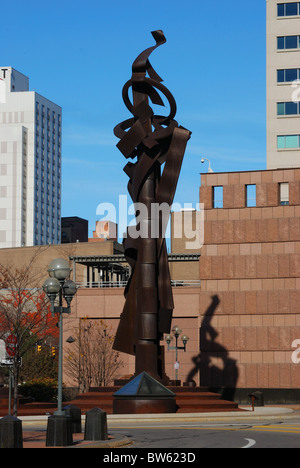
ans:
x=150 y=141
x=145 y=406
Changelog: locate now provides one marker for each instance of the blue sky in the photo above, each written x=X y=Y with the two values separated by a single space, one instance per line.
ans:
x=79 y=55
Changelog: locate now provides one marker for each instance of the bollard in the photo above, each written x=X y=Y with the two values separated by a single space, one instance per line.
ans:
x=11 y=432
x=95 y=425
x=59 y=431
x=75 y=413
x=252 y=398
x=259 y=399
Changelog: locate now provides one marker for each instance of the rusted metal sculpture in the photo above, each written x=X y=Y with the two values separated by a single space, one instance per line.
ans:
x=153 y=140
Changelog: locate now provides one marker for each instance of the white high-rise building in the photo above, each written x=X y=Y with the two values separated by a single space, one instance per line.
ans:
x=283 y=84
x=30 y=164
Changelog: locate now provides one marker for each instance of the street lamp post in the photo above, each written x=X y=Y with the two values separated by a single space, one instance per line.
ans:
x=209 y=166
x=58 y=285
x=176 y=330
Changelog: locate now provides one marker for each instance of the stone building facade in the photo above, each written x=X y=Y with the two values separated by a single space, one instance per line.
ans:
x=250 y=281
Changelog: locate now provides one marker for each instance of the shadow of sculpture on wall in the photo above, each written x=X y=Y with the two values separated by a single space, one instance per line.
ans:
x=217 y=370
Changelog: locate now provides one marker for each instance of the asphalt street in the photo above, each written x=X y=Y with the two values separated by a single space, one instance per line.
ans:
x=278 y=434
x=265 y=428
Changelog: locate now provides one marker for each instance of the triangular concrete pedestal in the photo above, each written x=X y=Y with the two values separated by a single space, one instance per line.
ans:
x=144 y=395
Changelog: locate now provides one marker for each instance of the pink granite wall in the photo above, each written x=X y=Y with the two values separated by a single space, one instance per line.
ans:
x=251 y=262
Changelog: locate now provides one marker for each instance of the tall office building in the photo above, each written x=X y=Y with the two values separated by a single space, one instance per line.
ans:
x=30 y=164
x=283 y=84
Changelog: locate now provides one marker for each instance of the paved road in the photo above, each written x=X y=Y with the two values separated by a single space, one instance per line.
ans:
x=279 y=433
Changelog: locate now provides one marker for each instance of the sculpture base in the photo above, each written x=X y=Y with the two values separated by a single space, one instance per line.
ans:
x=144 y=406
x=144 y=395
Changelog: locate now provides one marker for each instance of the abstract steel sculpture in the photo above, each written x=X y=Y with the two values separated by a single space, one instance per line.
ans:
x=153 y=140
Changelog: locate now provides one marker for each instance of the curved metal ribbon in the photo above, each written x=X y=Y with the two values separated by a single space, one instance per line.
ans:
x=153 y=140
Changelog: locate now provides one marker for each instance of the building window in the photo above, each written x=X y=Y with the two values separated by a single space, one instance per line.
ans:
x=287 y=141
x=288 y=108
x=284 y=193
x=288 y=75
x=218 y=197
x=288 y=9
x=250 y=195
x=288 y=42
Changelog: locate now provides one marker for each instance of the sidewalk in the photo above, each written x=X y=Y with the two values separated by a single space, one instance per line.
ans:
x=37 y=438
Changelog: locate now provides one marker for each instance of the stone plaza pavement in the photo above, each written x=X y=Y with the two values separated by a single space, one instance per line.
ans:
x=34 y=438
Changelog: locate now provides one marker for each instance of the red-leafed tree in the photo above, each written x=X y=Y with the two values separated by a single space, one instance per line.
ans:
x=24 y=313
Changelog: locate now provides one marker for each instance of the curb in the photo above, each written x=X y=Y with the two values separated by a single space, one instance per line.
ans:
x=117 y=442
x=258 y=413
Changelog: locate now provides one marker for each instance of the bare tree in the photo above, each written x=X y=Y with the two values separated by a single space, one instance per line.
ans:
x=92 y=361
x=24 y=313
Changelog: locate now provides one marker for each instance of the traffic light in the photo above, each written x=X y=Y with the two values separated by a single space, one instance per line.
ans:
x=39 y=348
x=53 y=351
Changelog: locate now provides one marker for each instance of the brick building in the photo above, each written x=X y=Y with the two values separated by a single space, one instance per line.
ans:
x=250 y=282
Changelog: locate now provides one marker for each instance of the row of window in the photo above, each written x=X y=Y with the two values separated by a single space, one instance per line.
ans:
x=288 y=42
x=288 y=9
x=46 y=239
x=40 y=167
x=45 y=182
x=48 y=132
x=45 y=219
x=288 y=108
x=250 y=195
x=42 y=156
x=288 y=141
x=288 y=75
x=45 y=208
x=46 y=112
x=47 y=145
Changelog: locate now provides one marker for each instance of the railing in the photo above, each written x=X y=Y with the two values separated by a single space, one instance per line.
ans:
x=189 y=283
x=122 y=284
x=101 y=284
